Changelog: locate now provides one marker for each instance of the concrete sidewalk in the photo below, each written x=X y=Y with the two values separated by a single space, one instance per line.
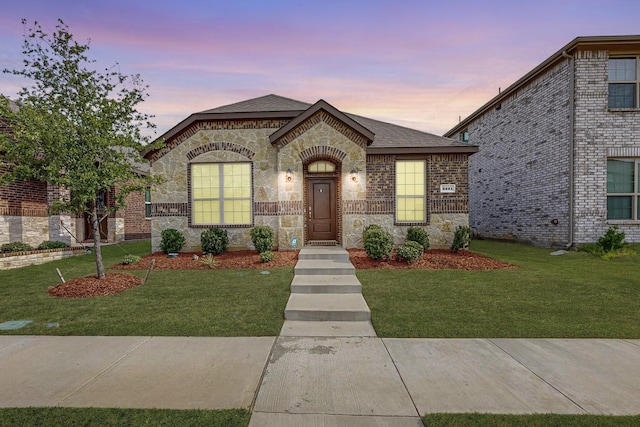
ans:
x=324 y=380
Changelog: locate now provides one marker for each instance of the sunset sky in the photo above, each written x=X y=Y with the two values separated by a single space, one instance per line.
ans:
x=420 y=64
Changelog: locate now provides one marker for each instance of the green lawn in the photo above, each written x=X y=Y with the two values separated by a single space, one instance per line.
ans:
x=536 y=420
x=63 y=417
x=172 y=303
x=575 y=295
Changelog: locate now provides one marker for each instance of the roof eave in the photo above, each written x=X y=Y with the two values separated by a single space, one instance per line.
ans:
x=468 y=149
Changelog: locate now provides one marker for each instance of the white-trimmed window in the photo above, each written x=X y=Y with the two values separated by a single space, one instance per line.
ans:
x=321 y=166
x=221 y=193
x=623 y=189
x=147 y=202
x=410 y=190
x=623 y=82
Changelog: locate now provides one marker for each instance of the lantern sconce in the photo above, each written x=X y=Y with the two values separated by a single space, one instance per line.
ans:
x=289 y=175
x=354 y=175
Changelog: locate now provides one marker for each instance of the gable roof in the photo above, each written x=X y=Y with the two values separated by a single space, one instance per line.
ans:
x=618 y=43
x=383 y=138
x=318 y=106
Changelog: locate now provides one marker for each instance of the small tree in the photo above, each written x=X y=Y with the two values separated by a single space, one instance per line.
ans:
x=76 y=127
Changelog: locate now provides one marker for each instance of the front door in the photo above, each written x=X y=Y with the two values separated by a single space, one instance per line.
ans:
x=322 y=214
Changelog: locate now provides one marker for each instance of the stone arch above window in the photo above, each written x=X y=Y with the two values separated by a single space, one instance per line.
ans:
x=322 y=152
x=220 y=146
x=321 y=166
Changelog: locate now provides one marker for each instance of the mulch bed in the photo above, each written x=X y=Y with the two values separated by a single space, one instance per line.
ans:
x=433 y=259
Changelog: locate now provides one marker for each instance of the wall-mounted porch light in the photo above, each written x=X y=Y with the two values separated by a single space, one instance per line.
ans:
x=354 y=175
x=289 y=175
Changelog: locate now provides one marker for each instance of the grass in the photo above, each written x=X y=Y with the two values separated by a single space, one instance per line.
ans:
x=575 y=295
x=172 y=303
x=535 y=420
x=63 y=417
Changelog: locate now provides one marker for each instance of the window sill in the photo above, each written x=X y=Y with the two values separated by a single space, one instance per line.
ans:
x=623 y=110
x=623 y=222
x=220 y=225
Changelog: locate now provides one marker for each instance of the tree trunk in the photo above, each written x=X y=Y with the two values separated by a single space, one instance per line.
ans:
x=95 y=226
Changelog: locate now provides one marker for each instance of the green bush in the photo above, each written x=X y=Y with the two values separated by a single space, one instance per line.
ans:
x=461 y=238
x=410 y=251
x=612 y=240
x=171 y=240
x=15 y=247
x=262 y=237
x=417 y=234
x=267 y=256
x=130 y=259
x=48 y=244
x=214 y=241
x=378 y=243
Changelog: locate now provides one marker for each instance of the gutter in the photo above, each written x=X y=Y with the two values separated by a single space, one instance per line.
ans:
x=572 y=93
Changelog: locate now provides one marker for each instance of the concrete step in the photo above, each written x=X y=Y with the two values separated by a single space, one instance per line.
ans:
x=335 y=253
x=323 y=267
x=295 y=328
x=326 y=284
x=323 y=307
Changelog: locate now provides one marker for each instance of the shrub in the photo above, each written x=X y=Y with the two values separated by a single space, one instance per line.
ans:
x=171 y=240
x=417 y=234
x=378 y=243
x=612 y=240
x=214 y=241
x=461 y=238
x=410 y=251
x=15 y=247
x=48 y=244
x=267 y=256
x=130 y=259
x=262 y=237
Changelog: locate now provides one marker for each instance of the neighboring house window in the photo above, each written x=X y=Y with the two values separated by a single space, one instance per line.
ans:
x=221 y=193
x=464 y=136
x=147 y=202
x=623 y=188
x=410 y=190
x=623 y=82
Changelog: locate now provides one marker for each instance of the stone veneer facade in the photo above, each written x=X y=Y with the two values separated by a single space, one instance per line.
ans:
x=281 y=204
x=520 y=179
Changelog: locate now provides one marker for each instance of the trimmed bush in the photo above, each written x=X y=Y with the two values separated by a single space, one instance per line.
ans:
x=267 y=256
x=461 y=238
x=214 y=241
x=262 y=237
x=410 y=251
x=612 y=240
x=417 y=234
x=171 y=240
x=130 y=259
x=48 y=244
x=378 y=243
x=15 y=247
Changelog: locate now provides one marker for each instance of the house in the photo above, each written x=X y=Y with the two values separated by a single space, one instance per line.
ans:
x=559 y=149
x=24 y=214
x=313 y=173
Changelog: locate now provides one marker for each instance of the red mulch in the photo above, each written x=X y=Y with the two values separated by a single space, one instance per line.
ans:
x=433 y=259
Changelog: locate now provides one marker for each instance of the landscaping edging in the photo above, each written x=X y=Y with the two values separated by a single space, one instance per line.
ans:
x=22 y=259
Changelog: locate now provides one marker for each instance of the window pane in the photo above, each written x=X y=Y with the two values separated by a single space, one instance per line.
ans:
x=622 y=69
x=619 y=207
x=322 y=166
x=206 y=212
x=410 y=190
x=622 y=95
x=620 y=176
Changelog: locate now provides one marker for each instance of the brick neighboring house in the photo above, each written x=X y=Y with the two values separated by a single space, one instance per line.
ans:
x=559 y=150
x=24 y=215
x=315 y=174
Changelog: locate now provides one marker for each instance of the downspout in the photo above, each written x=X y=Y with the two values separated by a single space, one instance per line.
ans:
x=572 y=92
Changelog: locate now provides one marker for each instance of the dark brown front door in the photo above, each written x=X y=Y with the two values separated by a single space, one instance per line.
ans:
x=322 y=215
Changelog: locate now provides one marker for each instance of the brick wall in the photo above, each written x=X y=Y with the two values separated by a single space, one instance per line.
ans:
x=599 y=133
x=519 y=178
x=135 y=224
x=24 y=198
